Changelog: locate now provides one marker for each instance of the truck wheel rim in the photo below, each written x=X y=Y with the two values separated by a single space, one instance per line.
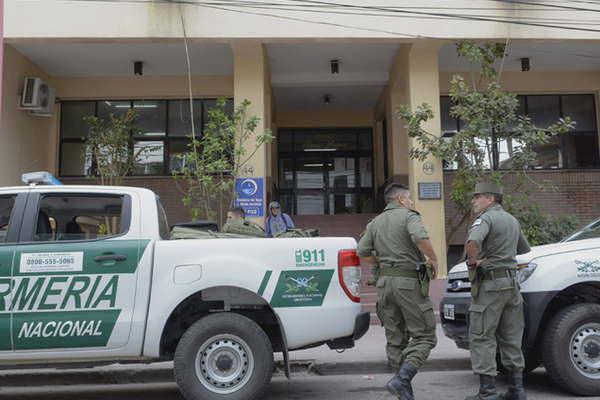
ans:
x=585 y=350
x=224 y=364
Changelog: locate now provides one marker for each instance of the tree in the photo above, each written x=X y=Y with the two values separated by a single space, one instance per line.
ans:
x=491 y=122
x=110 y=147
x=212 y=161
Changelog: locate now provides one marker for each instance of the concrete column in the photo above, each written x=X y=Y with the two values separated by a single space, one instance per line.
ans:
x=252 y=82
x=416 y=81
x=397 y=95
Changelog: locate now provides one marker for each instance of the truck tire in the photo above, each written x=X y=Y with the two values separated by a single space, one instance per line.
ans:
x=571 y=349
x=223 y=356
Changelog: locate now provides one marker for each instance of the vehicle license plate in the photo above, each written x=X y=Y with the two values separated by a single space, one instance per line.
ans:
x=449 y=311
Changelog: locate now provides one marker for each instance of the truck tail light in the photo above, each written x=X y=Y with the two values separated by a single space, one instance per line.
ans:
x=349 y=273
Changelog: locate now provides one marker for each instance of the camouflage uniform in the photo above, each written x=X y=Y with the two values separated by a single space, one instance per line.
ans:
x=496 y=319
x=402 y=307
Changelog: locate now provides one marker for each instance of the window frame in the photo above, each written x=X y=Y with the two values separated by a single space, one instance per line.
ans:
x=295 y=156
x=166 y=140
x=29 y=224
x=15 y=220
x=563 y=138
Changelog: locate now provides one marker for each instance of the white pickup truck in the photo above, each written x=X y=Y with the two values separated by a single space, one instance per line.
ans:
x=88 y=275
x=560 y=284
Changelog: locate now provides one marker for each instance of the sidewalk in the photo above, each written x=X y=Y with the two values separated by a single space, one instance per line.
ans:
x=368 y=356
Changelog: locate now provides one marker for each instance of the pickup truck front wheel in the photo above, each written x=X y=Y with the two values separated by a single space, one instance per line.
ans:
x=571 y=349
x=223 y=356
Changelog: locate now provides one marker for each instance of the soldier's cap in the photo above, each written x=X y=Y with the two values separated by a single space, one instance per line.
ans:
x=487 y=187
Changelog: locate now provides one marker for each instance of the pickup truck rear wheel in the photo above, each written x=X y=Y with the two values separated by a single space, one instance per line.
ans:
x=571 y=349
x=223 y=356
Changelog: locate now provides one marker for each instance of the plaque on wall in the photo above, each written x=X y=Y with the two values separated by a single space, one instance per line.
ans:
x=430 y=190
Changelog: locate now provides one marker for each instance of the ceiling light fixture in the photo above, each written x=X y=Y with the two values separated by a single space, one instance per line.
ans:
x=138 y=68
x=525 y=66
x=335 y=66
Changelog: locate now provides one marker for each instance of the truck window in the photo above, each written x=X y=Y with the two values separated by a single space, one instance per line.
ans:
x=163 y=224
x=79 y=217
x=591 y=231
x=7 y=204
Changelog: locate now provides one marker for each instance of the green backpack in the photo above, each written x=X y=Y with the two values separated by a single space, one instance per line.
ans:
x=297 y=232
x=245 y=228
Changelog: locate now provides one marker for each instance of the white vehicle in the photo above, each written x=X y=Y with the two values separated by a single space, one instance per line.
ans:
x=88 y=275
x=560 y=284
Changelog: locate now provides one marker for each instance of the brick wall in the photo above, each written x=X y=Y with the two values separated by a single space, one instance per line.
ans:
x=566 y=193
x=168 y=190
x=571 y=193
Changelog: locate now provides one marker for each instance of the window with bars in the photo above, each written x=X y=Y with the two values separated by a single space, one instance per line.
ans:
x=165 y=127
x=577 y=149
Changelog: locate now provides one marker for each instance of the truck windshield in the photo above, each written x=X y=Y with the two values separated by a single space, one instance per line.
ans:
x=590 y=231
x=163 y=224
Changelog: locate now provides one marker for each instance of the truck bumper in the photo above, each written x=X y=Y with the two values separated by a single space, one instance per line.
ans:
x=458 y=328
x=362 y=322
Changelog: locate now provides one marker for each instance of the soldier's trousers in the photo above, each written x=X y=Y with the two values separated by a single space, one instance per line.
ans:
x=496 y=322
x=405 y=312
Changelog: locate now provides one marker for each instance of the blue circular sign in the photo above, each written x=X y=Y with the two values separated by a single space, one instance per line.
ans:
x=249 y=187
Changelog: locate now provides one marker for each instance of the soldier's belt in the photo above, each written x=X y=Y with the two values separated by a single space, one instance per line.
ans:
x=498 y=273
x=398 y=272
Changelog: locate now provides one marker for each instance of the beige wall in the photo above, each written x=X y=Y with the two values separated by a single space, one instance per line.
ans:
x=327 y=118
x=141 y=87
x=55 y=19
x=252 y=82
x=25 y=141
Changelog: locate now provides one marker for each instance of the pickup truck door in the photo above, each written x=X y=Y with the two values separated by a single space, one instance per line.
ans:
x=75 y=273
x=11 y=212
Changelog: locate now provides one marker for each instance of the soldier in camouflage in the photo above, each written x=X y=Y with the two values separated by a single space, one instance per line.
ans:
x=237 y=223
x=402 y=245
x=496 y=311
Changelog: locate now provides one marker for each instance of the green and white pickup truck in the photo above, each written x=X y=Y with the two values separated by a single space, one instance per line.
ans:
x=88 y=275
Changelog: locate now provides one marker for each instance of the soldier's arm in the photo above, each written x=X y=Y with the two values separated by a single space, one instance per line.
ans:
x=366 y=247
x=420 y=238
x=477 y=234
x=472 y=253
x=427 y=248
x=523 y=244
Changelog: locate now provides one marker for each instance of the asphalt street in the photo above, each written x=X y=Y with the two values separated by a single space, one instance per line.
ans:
x=428 y=385
x=319 y=373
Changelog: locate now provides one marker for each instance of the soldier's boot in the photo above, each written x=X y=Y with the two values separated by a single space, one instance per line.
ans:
x=516 y=390
x=487 y=389
x=400 y=383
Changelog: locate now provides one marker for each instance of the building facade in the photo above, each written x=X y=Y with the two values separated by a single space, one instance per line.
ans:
x=325 y=78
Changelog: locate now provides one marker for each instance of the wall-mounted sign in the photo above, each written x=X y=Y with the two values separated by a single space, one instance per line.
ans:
x=430 y=191
x=250 y=196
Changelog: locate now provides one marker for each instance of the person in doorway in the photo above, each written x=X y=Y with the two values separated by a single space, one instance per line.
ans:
x=277 y=222
x=407 y=262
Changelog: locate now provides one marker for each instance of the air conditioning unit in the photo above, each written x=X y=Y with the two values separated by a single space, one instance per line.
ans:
x=37 y=97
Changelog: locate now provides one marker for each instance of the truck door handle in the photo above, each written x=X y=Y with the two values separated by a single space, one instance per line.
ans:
x=110 y=257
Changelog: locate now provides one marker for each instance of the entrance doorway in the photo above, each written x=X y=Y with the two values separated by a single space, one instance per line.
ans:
x=326 y=171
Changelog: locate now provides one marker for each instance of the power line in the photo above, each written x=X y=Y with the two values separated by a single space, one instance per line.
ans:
x=457 y=16
x=396 y=11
